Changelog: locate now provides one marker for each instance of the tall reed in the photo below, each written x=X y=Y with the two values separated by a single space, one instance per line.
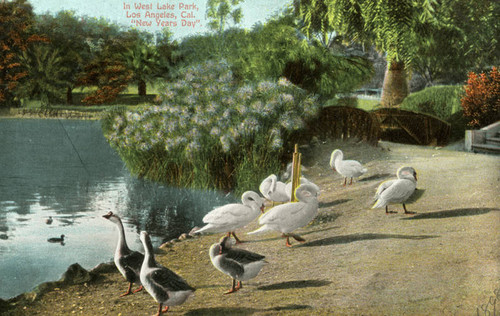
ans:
x=210 y=131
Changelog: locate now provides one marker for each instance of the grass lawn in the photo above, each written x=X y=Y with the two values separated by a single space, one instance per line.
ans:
x=363 y=104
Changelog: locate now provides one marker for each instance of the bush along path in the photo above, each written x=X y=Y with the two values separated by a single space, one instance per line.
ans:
x=356 y=260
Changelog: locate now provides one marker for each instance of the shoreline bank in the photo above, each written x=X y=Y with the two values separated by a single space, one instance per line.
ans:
x=50 y=113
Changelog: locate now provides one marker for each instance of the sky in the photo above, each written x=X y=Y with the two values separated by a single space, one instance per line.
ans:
x=182 y=17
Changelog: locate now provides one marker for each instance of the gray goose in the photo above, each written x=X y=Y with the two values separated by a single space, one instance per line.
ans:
x=239 y=264
x=127 y=261
x=165 y=286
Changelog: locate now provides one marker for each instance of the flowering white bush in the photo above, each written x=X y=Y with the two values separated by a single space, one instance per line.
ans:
x=206 y=114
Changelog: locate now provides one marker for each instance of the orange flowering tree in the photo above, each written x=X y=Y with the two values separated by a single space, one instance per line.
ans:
x=110 y=76
x=481 y=102
x=16 y=21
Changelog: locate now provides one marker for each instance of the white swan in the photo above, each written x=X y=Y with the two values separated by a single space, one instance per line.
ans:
x=239 y=264
x=303 y=180
x=229 y=217
x=347 y=168
x=165 y=286
x=127 y=261
x=288 y=217
x=288 y=171
x=397 y=191
x=274 y=190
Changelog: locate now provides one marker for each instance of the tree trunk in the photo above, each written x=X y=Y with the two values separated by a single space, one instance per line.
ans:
x=69 y=95
x=396 y=86
x=142 y=87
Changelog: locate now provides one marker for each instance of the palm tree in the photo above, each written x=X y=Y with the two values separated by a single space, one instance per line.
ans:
x=393 y=26
x=142 y=59
x=46 y=74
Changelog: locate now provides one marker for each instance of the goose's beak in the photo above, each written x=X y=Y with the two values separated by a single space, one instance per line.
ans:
x=262 y=208
x=107 y=216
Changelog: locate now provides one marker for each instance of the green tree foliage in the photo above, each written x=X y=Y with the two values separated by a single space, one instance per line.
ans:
x=107 y=68
x=167 y=50
x=47 y=74
x=79 y=39
x=219 y=11
x=211 y=131
x=16 y=33
x=143 y=60
x=463 y=37
x=276 y=49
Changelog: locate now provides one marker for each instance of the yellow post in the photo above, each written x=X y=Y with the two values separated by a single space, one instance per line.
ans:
x=295 y=172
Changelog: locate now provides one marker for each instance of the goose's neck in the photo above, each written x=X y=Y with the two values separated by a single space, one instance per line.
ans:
x=149 y=259
x=121 y=247
x=214 y=250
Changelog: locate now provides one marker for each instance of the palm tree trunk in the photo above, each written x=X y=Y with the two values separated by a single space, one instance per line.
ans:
x=69 y=96
x=142 y=87
x=396 y=86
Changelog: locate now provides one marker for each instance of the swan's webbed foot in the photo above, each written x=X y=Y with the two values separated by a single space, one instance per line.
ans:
x=408 y=212
x=389 y=212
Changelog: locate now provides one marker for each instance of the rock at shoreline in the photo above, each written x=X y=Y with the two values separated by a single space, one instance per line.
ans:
x=76 y=275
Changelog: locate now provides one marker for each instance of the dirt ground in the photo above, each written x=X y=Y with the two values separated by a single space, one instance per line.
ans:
x=444 y=260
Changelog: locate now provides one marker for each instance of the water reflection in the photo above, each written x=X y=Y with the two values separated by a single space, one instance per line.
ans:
x=65 y=170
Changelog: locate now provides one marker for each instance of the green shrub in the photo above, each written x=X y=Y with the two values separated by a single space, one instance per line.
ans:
x=209 y=131
x=440 y=101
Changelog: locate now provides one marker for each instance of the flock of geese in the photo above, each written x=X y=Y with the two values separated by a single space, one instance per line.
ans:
x=169 y=289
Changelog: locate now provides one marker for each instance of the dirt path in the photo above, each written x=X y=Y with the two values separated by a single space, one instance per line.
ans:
x=445 y=260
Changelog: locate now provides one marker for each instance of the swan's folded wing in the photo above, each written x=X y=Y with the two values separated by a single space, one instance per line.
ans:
x=226 y=214
x=399 y=190
x=382 y=187
x=279 y=213
x=352 y=164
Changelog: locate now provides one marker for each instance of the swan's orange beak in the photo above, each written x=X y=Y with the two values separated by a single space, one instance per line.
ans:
x=262 y=208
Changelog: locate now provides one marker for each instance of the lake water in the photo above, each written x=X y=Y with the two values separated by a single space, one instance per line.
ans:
x=65 y=169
